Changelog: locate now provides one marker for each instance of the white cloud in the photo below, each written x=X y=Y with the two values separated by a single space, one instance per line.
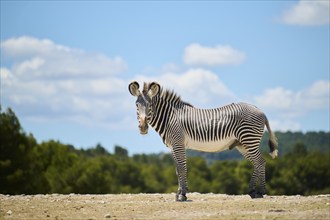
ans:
x=199 y=87
x=195 y=54
x=35 y=58
x=26 y=46
x=290 y=104
x=29 y=65
x=5 y=74
x=308 y=13
x=47 y=80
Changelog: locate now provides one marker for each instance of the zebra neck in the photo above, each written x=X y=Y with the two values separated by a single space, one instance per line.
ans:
x=162 y=114
x=159 y=119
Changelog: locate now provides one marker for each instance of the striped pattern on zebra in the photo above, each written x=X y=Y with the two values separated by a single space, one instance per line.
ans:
x=182 y=126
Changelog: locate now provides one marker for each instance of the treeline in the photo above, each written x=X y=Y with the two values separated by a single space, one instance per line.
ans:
x=29 y=167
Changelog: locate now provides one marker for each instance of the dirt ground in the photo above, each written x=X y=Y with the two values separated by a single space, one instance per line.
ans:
x=163 y=206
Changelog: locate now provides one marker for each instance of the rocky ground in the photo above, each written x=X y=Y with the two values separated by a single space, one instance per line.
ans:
x=163 y=206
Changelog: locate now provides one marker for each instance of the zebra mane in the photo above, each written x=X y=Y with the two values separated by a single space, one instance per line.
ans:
x=170 y=96
x=167 y=95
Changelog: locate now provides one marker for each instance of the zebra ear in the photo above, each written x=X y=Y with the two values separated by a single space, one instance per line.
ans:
x=133 y=88
x=154 y=89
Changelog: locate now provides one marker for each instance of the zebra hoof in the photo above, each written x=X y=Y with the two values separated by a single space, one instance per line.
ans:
x=255 y=194
x=181 y=198
x=259 y=195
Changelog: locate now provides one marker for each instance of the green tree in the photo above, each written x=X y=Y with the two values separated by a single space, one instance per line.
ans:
x=121 y=152
x=59 y=165
x=152 y=178
x=97 y=176
x=299 y=149
x=99 y=150
x=198 y=175
x=16 y=173
x=223 y=177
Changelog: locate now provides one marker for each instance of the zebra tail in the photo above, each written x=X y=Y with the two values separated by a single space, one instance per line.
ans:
x=272 y=143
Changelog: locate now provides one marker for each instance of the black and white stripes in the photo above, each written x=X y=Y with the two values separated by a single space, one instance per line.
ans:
x=182 y=126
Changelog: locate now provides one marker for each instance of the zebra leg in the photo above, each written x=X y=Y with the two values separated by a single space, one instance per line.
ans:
x=262 y=175
x=259 y=164
x=179 y=156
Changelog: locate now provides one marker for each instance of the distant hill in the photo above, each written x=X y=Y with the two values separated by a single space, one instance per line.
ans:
x=313 y=141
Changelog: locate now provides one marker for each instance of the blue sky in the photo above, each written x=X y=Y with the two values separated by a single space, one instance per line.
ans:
x=65 y=66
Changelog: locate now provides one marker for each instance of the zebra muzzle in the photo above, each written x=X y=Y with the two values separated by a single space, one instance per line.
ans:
x=143 y=127
x=143 y=130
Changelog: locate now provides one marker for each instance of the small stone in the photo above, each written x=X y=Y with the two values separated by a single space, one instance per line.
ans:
x=107 y=216
x=9 y=212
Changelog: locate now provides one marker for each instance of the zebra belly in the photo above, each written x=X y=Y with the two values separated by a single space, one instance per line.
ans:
x=211 y=146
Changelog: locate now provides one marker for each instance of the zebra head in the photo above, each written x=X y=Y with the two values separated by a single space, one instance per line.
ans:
x=144 y=102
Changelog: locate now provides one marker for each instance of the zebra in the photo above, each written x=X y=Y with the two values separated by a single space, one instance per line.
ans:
x=182 y=126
